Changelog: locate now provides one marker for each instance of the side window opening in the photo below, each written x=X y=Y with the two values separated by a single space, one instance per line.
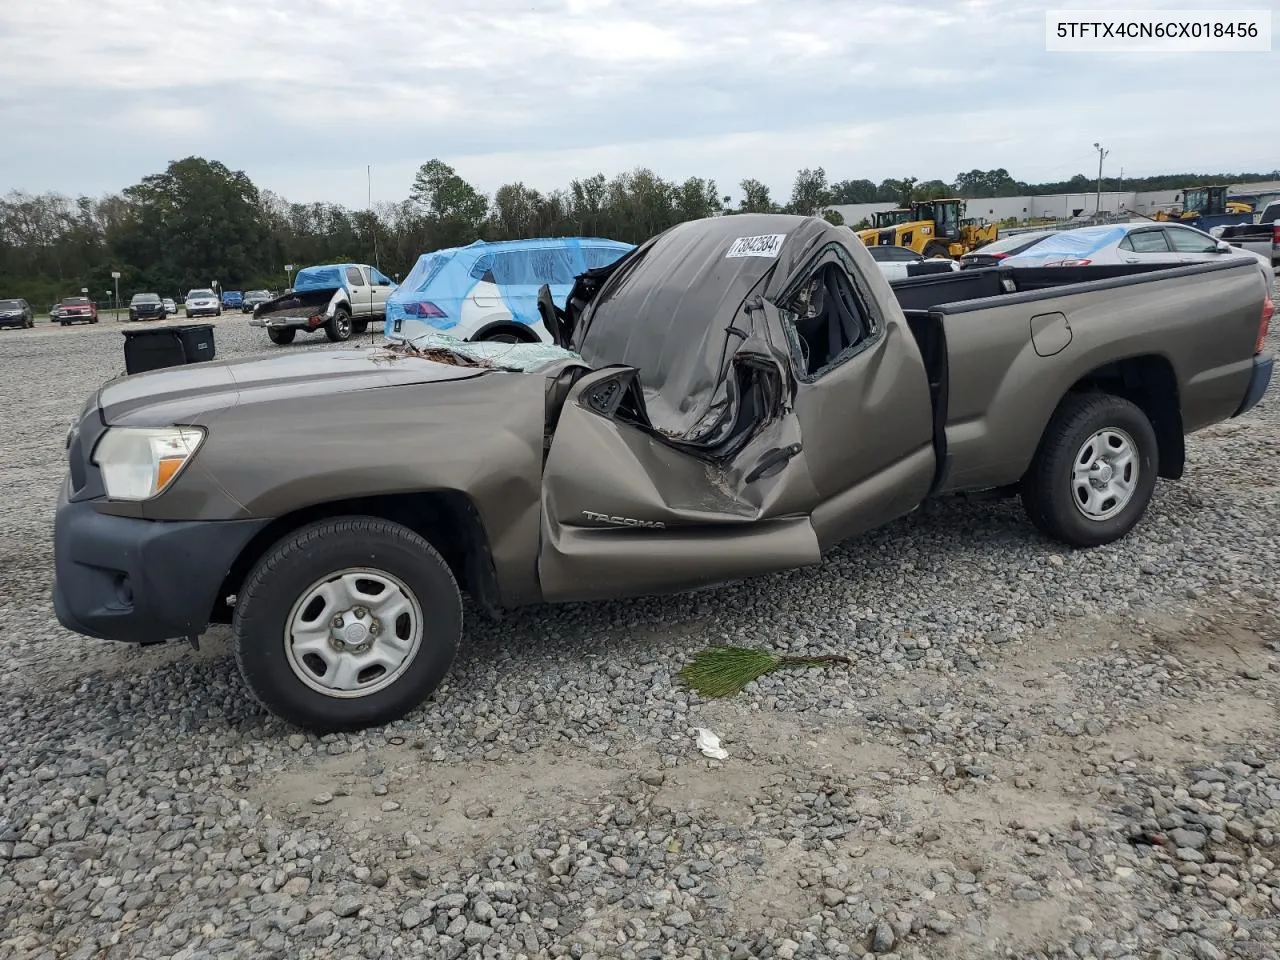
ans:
x=355 y=277
x=1147 y=241
x=827 y=319
x=483 y=269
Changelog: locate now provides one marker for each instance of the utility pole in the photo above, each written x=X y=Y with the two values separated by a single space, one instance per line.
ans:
x=1101 y=155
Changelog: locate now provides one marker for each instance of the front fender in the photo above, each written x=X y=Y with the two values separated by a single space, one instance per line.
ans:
x=480 y=437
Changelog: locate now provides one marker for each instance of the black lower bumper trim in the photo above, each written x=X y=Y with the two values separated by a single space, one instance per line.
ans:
x=140 y=581
x=1258 y=383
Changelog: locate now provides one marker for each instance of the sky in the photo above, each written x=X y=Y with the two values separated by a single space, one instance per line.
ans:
x=306 y=95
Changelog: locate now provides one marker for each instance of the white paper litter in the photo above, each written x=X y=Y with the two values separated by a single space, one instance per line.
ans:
x=709 y=744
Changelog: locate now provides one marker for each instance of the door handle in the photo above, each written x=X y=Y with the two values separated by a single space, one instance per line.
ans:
x=772 y=462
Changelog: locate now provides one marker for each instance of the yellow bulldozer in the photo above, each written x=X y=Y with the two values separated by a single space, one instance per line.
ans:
x=932 y=228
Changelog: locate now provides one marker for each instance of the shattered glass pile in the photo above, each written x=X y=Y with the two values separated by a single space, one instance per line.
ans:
x=516 y=357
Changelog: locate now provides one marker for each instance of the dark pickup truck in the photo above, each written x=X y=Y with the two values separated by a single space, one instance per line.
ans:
x=1262 y=238
x=732 y=398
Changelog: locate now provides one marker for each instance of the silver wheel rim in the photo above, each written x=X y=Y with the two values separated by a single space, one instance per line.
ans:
x=353 y=633
x=1104 y=475
x=344 y=327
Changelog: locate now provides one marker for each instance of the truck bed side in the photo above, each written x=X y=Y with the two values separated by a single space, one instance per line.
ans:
x=1184 y=335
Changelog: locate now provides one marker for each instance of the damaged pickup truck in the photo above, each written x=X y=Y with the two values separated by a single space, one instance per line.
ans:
x=734 y=397
x=339 y=298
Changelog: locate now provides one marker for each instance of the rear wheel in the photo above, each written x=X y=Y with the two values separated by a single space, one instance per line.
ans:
x=338 y=329
x=1095 y=470
x=347 y=623
x=282 y=335
x=935 y=249
x=359 y=326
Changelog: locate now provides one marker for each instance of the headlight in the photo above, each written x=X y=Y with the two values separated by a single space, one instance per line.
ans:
x=138 y=464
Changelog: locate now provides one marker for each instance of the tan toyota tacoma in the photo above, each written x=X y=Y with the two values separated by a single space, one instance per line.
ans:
x=734 y=397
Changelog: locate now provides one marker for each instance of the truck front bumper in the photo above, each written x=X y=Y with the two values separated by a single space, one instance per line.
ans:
x=1258 y=383
x=140 y=581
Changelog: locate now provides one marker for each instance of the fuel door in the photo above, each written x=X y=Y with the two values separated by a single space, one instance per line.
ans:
x=1050 y=333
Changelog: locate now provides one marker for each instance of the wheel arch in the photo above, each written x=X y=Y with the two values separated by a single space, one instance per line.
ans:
x=1149 y=382
x=447 y=519
x=521 y=330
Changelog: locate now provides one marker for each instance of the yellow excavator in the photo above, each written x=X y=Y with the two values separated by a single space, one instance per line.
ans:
x=932 y=228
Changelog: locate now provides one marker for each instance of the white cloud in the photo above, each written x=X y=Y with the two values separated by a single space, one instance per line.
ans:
x=302 y=95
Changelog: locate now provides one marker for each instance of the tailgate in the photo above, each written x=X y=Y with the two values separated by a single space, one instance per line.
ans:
x=305 y=304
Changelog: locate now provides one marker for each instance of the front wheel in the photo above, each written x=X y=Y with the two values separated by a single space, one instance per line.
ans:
x=935 y=249
x=347 y=623
x=338 y=329
x=1094 y=472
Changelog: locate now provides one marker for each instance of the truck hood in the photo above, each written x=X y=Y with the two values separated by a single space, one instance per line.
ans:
x=196 y=392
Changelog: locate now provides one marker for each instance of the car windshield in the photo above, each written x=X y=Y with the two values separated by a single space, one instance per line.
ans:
x=146 y=298
x=257 y=294
x=8 y=305
x=200 y=295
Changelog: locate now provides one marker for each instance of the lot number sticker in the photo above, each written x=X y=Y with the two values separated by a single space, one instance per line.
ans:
x=766 y=245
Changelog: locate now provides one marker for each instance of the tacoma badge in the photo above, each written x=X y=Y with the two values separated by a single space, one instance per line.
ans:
x=623 y=521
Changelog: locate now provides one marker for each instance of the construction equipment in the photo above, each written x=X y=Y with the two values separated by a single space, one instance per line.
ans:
x=934 y=228
x=1208 y=206
x=883 y=220
x=889 y=218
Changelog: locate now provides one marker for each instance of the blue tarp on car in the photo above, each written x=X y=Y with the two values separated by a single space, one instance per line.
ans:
x=318 y=278
x=491 y=282
x=330 y=276
x=1069 y=244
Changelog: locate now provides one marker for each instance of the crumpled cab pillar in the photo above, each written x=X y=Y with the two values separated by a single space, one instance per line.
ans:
x=805 y=421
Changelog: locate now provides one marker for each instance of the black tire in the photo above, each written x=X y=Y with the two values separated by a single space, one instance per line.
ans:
x=65 y=323
x=281 y=335
x=501 y=335
x=935 y=249
x=1048 y=491
x=281 y=578
x=359 y=326
x=338 y=329
x=219 y=313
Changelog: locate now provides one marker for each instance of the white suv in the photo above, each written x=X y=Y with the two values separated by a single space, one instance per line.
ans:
x=203 y=303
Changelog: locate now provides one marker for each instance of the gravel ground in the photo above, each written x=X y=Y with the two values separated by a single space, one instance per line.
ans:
x=1039 y=753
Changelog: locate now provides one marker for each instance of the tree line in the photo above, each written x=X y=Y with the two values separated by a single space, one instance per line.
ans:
x=199 y=221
